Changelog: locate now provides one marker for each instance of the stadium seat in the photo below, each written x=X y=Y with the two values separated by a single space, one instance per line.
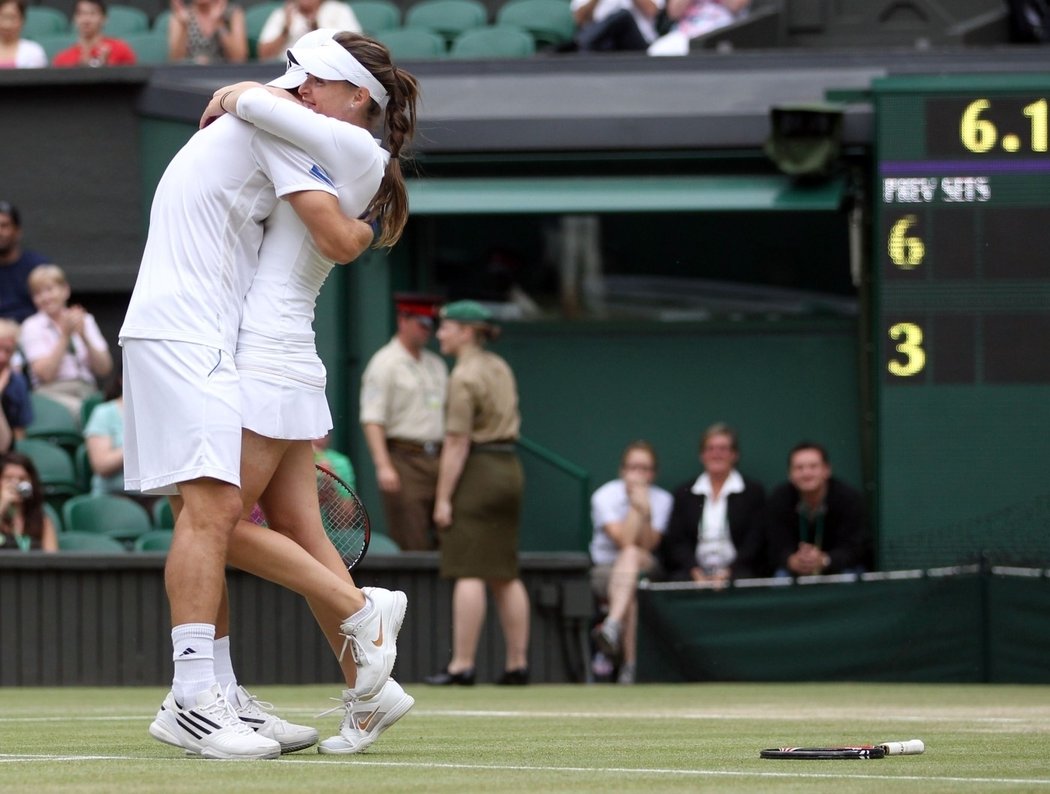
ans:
x=44 y=21
x=254 y=20
x=163 y=518
x=91 y=402
x=447 y=17
x=82 y=468
x=54 y=43
x=122 y=20
x=549 y=22
x=89 y=542
x=497 y=41
x=160 y=22
x=409 y=43
x=53 y=514
x=376 y=15
x=54 y=467
x=379 y=543
x=54 y=423
x=112 y=515
x=154 y=540
x=150 y=47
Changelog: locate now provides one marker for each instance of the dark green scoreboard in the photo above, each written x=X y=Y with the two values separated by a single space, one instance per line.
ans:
x=962 y=319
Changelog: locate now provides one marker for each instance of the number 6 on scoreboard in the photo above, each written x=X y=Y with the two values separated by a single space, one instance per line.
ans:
x=909 y=344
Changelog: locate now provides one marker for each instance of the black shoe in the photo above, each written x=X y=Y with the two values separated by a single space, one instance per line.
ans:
x=445 y=678
x=519 y=677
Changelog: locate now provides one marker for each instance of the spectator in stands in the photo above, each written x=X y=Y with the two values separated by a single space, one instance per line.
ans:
x=716 y=533
x=104 y=437
x=629 y=515
x=207 y=31
x=402 y=414
x=24 y=526
x=816 y=522
x=17 y=411
x=93 y=48
x=297 y=18
x=335 y=461
x=609 y=25
x=62 y=344
x=15 y=265
x=692 y=18
x=479 y=494
x=16 y=52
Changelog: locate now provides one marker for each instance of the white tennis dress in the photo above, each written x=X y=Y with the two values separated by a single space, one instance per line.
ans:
x=182 y=400
x=282 y=377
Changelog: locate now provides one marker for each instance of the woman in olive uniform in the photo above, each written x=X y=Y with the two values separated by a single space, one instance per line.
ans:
x=479 y=490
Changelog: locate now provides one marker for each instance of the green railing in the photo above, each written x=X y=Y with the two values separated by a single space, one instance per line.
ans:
x=572 y=470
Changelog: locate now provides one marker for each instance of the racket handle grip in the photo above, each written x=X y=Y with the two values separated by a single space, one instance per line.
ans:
x=910 y=747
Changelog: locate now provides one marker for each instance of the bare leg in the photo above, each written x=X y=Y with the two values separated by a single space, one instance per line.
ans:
x=623 y=580
x=512 y=601
x=630 y=634
x=468 y=616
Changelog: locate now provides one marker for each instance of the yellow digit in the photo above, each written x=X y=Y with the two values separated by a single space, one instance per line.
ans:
x=906 y=251
x=977 y=134
x=1037 y=113
x=909 y=346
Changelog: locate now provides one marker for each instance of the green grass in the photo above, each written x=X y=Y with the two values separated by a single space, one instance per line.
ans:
x=559 y=738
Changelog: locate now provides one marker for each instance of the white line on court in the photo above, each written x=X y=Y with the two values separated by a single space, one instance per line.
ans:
x=1004 y=781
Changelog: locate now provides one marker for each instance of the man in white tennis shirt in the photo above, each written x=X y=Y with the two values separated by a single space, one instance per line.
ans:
x=182 y=410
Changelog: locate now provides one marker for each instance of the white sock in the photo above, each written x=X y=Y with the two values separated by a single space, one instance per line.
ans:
x=194 y=657
x=362 y=613
x=224 y=667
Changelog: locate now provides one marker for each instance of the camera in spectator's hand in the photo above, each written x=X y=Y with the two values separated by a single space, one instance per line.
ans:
x=25 y=489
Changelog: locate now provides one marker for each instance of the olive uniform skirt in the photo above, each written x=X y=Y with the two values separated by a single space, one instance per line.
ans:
x=482 y=542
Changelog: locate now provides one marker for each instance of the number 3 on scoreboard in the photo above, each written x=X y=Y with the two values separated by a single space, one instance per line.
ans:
x=908 y=337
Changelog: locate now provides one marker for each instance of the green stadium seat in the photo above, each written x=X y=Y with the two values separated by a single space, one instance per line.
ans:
x=82 y=468
x=497 y=41
x=376 y=15
x=54 y=467
x=379 y=543
x=163 y=517
x=413 y=43
x=89 y=542
x=44 y=21
x=549 y=22
x=112 y=515
x=447 y=17
x=122 y=20
x=254 y=20
x=154 y=540
x=54 y=515
x=53 y=422
x=54 y=43
x=91 y=402
x=150 y=47
x=160 y=23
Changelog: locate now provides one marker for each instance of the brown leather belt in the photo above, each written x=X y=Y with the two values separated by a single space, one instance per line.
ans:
x=430 y=448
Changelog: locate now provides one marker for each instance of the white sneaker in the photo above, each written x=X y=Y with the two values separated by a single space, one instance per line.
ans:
x=256 y=715
x=366 y=719
x=607 y=637
x=373 y=639
x=210 y=728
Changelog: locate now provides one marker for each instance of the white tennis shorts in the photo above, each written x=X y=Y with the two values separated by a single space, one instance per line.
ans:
x=182 y=415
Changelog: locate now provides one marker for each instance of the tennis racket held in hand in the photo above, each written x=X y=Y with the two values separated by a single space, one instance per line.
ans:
x=343 y=516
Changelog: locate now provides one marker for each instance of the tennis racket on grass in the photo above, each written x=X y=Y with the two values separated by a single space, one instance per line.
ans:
x=343 y=516
x=863 y=752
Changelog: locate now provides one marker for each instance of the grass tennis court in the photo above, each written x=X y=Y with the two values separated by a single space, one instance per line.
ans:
x=559 y=738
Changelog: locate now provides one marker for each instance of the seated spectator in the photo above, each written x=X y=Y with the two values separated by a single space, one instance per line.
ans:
x=15 y=265
x=629 y=515
x=62 y=344
x=716 y=533
x=296 y=18
x=24 y=526
x=16 y=52
x=104 y=438
x=336 y=462
x=692 y=18
x=207 y=31
x=610 y=25
x=816 y=522
x=17 y=411
x=93 y=48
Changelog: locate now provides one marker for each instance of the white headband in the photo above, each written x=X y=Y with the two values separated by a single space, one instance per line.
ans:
x=332 y=61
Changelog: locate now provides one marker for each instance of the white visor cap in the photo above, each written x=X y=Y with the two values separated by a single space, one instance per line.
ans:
x=294 y=74
x=332 y=61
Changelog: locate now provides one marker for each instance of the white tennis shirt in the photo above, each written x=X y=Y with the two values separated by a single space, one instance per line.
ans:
x=202 y=250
